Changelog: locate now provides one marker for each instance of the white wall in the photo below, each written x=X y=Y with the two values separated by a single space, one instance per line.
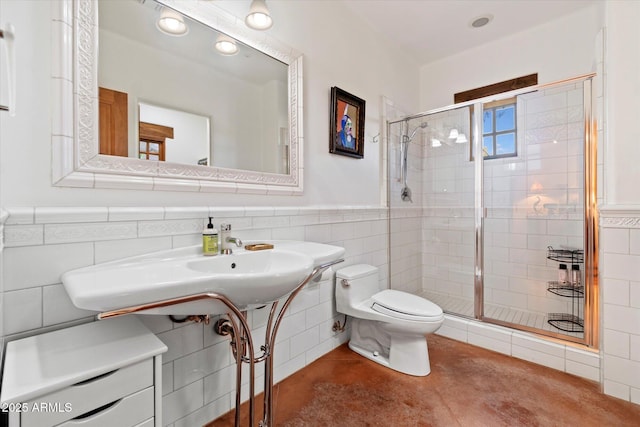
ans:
x=623 y=103
x=557 y=50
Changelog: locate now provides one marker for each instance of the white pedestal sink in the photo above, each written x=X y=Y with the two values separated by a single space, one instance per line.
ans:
x=246 y=278
x=185 y=282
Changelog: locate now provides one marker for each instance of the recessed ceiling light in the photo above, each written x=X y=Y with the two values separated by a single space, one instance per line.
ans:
x=481 y=21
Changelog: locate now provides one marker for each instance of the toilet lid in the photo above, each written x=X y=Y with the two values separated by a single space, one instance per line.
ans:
x=404 y=305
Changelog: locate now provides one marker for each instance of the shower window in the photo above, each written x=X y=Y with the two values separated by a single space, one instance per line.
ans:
x=499 y=129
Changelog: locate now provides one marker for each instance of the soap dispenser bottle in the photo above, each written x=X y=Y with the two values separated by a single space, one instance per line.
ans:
x=210 y=240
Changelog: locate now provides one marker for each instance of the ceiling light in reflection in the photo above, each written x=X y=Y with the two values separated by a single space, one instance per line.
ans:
x=453 y=134
x=435 y=142
x=259 y=17
x=461 y=139
x=172 y=23
x=226 y=45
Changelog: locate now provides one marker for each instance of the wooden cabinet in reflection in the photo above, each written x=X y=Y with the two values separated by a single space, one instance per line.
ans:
x=114 y=129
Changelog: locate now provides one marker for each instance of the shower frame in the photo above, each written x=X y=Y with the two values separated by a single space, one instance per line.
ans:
x=590 y=337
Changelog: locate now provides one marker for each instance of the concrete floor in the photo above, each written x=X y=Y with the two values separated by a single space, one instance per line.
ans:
x=468 y=386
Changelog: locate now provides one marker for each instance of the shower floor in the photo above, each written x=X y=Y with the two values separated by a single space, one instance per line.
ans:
x=464 y=307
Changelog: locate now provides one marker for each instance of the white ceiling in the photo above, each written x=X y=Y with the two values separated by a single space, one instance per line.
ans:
x=432 y=29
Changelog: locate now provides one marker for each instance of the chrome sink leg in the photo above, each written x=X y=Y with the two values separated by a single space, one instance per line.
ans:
x=273 y=325
x=241 y=339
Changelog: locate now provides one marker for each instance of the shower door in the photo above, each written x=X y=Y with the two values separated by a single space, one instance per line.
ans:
x=533 y=204
x=501 y=225
x=432 y=246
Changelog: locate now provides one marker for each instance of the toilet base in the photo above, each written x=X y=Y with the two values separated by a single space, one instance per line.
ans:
x=406 y=353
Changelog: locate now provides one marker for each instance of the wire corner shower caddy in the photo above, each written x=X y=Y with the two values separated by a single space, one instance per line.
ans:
x=571 y=288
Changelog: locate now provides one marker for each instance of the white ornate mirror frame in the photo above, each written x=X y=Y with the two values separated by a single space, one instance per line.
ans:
x=76 y=161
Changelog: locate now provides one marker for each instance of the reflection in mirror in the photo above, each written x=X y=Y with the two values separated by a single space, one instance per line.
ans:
x=243 y=97
x=181 y=137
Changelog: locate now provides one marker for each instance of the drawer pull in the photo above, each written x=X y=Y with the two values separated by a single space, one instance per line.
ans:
x=99 y=377
x=97 y=410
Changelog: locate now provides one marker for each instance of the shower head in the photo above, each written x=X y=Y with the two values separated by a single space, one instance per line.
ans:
x=421 y=126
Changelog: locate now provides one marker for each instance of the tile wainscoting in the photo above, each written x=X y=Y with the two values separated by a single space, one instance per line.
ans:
x=620 y=301
x=198 y=371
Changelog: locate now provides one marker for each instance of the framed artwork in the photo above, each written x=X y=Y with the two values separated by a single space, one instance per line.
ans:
x=346 y=124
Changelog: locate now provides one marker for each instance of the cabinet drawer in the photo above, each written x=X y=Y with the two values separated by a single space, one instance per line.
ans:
x=126 y=412
x=80 y=398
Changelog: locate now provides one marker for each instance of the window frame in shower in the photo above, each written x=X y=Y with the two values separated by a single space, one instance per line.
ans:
x=495 y=133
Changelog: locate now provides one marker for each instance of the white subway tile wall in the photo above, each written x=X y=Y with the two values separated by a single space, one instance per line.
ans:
x=198 y=369
x=620 y=293
x=533 y=200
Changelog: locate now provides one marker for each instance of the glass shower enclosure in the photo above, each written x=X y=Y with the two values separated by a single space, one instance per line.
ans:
x=500 y=224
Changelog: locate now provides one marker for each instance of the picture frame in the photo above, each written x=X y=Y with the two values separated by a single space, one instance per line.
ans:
x=346 y=124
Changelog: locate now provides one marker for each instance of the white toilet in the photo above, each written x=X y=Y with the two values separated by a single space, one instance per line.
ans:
x=389 y=326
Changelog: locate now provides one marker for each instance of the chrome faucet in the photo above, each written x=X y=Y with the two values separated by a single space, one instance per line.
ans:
x=235 y=240
x=226 y=239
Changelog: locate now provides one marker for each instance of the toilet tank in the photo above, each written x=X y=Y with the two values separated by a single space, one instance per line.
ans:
x=362 y=282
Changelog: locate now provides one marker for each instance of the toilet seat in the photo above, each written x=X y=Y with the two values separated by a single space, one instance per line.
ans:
x=402 y=305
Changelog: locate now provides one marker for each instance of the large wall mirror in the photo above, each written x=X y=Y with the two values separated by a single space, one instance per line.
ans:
x=143 y=109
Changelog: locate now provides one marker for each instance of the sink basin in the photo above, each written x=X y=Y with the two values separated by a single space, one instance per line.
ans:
x=247 y=278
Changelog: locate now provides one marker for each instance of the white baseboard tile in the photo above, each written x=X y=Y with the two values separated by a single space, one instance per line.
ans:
x=616 y=389
x=568 y=358
x=490 y=338
x=538 y=351
x=454 y=328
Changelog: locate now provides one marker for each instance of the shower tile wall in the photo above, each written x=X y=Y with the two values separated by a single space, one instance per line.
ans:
x=533 y=201
x=406 y=249
x=405 y=237
x=198 y=373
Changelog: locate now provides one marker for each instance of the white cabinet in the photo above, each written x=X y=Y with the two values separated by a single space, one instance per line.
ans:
x=104 y=373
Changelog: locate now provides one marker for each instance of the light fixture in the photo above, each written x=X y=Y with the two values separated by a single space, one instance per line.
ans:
x=461 y=139
x=172 y=23
x=481 y=21
x=225 y=45
x=435 y=142
x=536 y=187
x=258 y=17
x=453 y=134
